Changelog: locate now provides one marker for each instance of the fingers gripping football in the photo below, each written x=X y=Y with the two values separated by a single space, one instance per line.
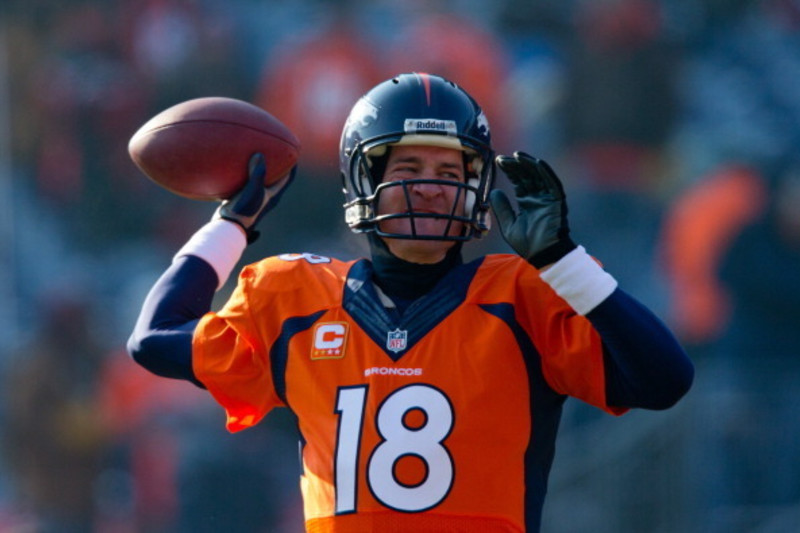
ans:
x=539 y=231
x=254 y=200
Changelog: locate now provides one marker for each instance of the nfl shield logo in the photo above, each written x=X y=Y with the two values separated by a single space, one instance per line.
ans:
x=396 y=340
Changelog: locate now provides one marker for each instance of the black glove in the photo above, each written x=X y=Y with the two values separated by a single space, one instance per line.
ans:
x=539 y=232
x=253 y=201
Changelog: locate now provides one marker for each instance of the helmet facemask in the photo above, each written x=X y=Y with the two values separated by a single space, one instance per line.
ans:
x=469 y=207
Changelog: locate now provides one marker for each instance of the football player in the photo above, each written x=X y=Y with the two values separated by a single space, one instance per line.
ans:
x=427 y=390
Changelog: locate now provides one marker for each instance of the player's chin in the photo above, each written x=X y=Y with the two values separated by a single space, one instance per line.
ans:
x=419 y=251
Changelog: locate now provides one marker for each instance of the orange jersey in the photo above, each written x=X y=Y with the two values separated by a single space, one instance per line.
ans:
x=442 y=418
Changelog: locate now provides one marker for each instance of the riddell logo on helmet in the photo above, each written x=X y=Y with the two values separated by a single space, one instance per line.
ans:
x=416 y=125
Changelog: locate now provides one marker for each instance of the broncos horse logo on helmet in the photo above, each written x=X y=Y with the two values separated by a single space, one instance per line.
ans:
x=416 y=109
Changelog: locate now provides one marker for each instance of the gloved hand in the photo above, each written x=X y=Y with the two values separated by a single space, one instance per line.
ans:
x=539 y=232
x=254 y=200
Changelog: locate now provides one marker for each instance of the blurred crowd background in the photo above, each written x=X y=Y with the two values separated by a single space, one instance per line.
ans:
x=674 y=124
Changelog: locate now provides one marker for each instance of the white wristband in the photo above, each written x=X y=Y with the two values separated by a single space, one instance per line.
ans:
x=220 y=243
x=579 y=280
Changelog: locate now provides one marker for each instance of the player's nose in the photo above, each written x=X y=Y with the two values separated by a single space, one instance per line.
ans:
x=427 y=189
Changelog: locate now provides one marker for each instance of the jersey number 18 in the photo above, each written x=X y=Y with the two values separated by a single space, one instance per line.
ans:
x=400 y=439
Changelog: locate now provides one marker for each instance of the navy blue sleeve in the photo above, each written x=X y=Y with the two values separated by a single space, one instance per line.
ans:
x=162 y=338
x=645 y=365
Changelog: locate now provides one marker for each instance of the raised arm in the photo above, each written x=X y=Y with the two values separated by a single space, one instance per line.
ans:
x=645 y=366
x=162 y=337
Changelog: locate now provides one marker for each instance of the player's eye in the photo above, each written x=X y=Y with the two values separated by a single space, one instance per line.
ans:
x=400 y=172
x=450 y=175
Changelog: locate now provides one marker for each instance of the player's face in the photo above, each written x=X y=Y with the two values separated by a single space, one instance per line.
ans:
x=414 y=163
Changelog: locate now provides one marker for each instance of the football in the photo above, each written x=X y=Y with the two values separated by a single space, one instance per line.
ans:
x=200 y=148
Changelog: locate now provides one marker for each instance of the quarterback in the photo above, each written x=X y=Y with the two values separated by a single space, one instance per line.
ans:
x=428 y=390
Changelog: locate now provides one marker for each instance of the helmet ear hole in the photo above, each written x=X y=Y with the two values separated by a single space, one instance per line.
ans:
x=377 y=158
x=470 y=200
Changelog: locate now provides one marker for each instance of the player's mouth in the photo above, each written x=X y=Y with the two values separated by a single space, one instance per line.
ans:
x=426 y=210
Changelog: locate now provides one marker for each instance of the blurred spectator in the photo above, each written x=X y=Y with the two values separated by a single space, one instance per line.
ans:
x=619 y=112
x=311 y=81
x=534 y=34
x=620 y=102
x=740 y=110
x=185 y=49
x=750 y=428
x=138 y=487
x=171 y=469
x=87 y=100
x=738 y=87
x=698 y=229
x=54 y=440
